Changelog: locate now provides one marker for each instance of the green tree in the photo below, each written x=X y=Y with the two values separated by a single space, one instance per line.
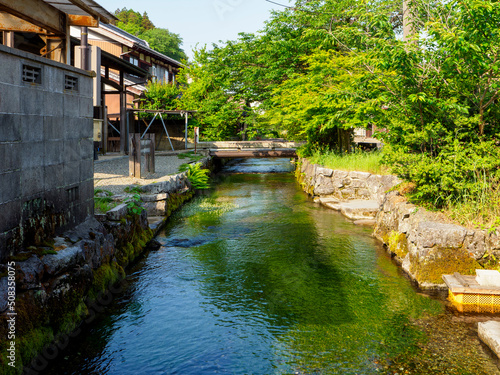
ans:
x=161 y=40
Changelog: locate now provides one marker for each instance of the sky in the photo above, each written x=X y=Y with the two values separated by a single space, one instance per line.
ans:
x=201 y=21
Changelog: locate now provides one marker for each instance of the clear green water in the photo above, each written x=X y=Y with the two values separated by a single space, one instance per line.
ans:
x=253 y=278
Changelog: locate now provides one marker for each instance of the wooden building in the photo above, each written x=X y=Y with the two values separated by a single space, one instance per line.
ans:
x=139 y=63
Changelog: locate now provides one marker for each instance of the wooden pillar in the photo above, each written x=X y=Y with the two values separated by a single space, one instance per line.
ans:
x=123 y=115
x=134 y=159
x=8 y=38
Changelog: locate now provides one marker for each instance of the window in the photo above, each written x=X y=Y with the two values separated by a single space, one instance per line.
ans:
x=32 y=74
x=70 y=83
x=72 y=194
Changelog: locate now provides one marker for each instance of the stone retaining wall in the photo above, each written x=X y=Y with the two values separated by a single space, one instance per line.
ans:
x=426 y=244
x=343 y=185
x=429 y=246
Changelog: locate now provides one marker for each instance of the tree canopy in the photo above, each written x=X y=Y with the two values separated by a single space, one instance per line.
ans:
x=161 y=40
x=324 y=67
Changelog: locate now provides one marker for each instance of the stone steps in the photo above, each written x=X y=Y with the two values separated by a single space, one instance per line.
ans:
x=357 y=209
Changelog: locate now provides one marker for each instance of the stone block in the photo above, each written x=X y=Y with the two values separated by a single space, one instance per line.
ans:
x=53 y=128
x=86 y=169
x=29 y=273
x=489 y=333
x=324 y=171
x=53 y=79
x=86 y=108
x=71 y=149
x=31 y=100
x=428 y=234
x=10 y=98
x=359 y=175
x=32 y=181
x=488 y=277
x=10 y=215
x=323 y=186
x=32 y=129
x=71 y=173
x=10 y=127
x=10 y=156
x=87 y=189
x=158 y=208
x=356 y=184
x=11 y=65
x=71 y=105
x=117 y=213
x=154 y=197
x=85 y=86
x=53 y=153
x=365 y=222
x=32 y=155
x=87 y=148
x=360 y=209
x=475 y=244
x=363 y=193
x=54 y=104
x=340 y=174
x=348 y=193
x=64 y=260
x=84 y=128
x=53 y=176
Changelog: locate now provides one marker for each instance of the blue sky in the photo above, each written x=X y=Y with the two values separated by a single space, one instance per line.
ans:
x=201 y=21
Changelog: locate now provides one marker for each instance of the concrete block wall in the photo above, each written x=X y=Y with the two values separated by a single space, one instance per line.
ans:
x=46 y=151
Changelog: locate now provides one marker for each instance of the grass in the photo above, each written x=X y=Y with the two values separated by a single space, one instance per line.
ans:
x=103 y=201
x=480 y=210
x=357 y=161
x=190 y=155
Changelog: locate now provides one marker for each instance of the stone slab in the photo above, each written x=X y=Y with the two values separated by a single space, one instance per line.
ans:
x=117 y=213
x=366 y=222
x=488 y=277
x=360 y=209
x=489 y=333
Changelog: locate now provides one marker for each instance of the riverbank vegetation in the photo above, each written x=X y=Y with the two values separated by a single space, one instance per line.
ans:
x=319 y=69
x=359 y=160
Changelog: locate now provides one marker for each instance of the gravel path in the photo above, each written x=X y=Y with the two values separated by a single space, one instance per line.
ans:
x=111 y=172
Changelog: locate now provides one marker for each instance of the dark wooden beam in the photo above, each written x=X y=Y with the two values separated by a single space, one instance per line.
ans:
x=38 y=13
x=87 y=21
x=8 y=22
x=80 y=4
x=111 y=83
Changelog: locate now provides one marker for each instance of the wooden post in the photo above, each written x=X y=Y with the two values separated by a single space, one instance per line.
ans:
x=134 y=160
x=150 y=153
x=123 y=115
x=8 y=38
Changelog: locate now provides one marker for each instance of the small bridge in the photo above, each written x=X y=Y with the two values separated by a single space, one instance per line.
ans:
x=251 y=149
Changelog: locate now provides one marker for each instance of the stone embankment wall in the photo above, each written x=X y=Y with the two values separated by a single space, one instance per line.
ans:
x=68 y=280
x=429 y=246
x=426 y=244
x=343 y=185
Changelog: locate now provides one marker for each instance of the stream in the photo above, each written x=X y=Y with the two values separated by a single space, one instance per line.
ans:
x=254 y=278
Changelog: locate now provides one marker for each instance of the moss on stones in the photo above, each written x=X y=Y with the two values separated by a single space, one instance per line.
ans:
x=397 y=244
x=442 y=261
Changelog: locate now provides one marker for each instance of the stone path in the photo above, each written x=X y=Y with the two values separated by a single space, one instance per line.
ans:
x=111 y=171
